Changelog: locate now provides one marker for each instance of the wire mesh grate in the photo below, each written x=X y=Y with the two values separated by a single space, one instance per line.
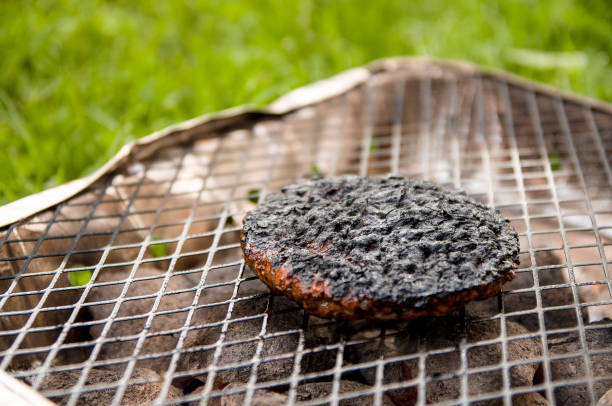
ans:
x=164 y=310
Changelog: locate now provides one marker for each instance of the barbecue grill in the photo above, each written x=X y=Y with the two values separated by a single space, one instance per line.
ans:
x=161 y=308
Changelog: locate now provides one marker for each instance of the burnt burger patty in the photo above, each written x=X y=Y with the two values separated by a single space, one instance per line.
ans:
x=381 y=248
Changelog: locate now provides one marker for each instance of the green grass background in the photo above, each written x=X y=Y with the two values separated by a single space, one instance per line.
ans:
x=79 y=79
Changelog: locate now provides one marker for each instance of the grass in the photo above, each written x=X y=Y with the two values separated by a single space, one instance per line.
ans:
x=81 y=78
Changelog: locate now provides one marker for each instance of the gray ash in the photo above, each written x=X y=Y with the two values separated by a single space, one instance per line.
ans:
x=389 y=239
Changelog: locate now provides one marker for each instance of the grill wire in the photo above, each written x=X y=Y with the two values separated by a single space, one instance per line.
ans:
x=170 y=292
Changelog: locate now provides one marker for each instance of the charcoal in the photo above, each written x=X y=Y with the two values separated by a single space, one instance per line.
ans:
x=15 y=322
x=317 y=390
x=573 y=366
x=606 y=399
x=152 y=345
x=319 y=152
x=384 y=347
x=94 y=227
x=196 y=395
x=318 y=334
x=283 y=323
x=176 y=182
x=7 y=268
x=244 y=352
x=281 y=317
x=447 y=332
x=60 y=232
x=526 y=301
x=143 y=387
x=261 y=397
x=590 y=273
x=529 y=399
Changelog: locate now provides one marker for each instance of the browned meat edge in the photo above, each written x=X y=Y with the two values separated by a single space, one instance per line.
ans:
x=317 y=300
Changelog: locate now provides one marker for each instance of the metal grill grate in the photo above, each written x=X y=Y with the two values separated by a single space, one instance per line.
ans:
x=173 y=316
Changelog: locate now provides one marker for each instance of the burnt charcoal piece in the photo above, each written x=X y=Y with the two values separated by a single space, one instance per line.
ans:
x=529 y=399
x=394 y=372
x=605 y=400
x=571 y=365
x=143 y=387
x=446 y=333
x=318 y=390
x=525 y=300
x=244 y=335
x=261 y=397
x=379 y=248
x=133 y=313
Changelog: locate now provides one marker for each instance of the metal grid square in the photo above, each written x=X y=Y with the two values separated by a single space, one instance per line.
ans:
x=172 y=315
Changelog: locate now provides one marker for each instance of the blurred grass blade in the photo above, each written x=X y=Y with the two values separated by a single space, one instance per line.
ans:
x=547 y=60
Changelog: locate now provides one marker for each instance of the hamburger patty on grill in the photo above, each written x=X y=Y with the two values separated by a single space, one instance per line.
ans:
x=380 y=248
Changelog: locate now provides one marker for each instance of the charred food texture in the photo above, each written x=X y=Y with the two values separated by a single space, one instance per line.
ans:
x=383 y=248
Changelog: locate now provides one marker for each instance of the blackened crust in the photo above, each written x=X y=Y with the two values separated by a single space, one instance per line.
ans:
x=316 y=299
x=328 y=271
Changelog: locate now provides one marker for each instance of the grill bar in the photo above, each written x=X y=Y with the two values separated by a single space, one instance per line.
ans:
x=184 y=233
x=79 y=385
x=71 y=320
x=606 y=164
x=560 y=110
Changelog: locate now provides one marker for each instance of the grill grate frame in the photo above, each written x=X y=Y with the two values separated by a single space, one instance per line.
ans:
x=539 y=157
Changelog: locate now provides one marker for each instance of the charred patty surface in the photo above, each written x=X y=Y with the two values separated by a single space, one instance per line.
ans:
x=383 y=248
